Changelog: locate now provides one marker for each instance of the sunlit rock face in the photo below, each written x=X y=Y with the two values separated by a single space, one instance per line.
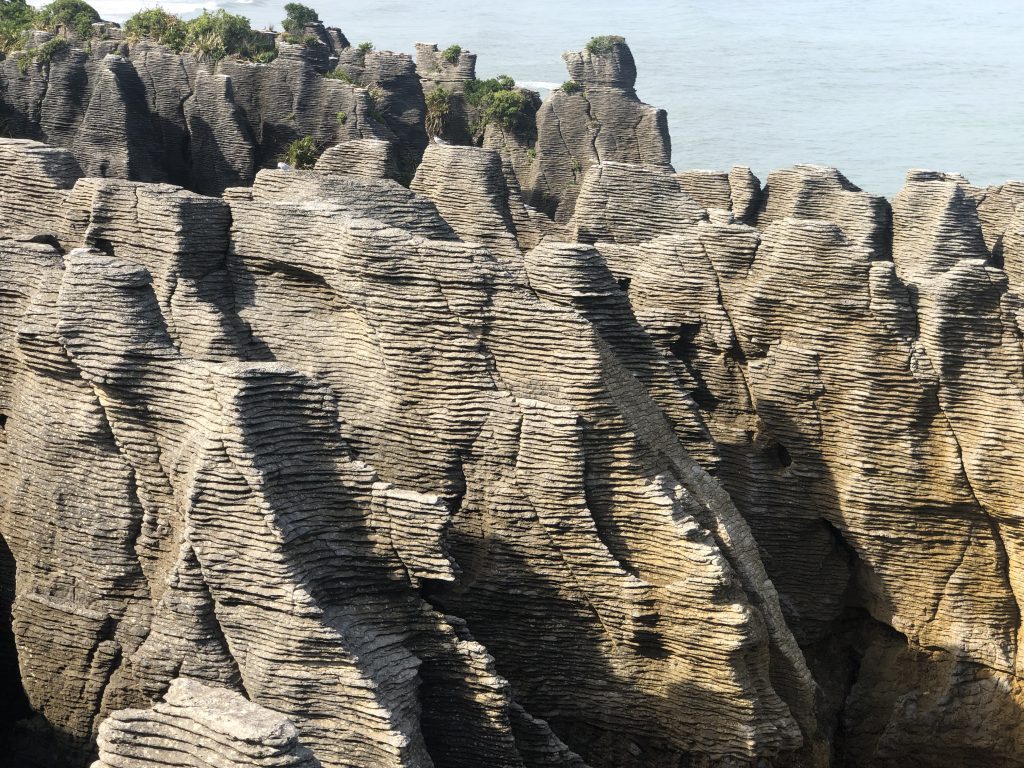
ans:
x=552 y=457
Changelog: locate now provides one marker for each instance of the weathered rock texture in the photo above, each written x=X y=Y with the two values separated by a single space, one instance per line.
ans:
x=199 y=725
x=143 y=112
x=602 y=122
x=331 y=472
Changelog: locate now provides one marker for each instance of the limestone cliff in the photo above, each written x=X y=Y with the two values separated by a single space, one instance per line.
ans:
x=671 y=470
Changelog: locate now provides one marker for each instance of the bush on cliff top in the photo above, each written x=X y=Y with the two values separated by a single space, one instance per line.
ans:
x=497 y=101
x=216 y=35
x=75 y=16
x=211 y=36
x=477 y=92
x=451 y=53
x=298 y=16
x=16 y=17
x=602 y=45
x=507 y=109
x=158 y=25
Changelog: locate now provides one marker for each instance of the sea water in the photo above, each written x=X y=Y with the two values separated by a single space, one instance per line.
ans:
x=872 y=87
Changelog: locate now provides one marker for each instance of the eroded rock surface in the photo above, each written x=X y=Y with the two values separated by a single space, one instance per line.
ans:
x=332 y=472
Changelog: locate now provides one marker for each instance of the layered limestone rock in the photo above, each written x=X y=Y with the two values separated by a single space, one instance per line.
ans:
x=436 y=70
x=738 y=191
x=196 y=725
x=416 y=523
x=601 y=121
x=35 y=180
x=470 y=190
x=630 y=203
x=140 y=111
x=372 y=158
x=329 y=471
x=865 y=407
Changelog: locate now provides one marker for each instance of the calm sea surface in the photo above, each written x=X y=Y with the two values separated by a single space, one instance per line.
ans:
x=871 y=87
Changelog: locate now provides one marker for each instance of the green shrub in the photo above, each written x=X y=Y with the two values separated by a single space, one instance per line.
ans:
x=571 y=86
x=497 y=101
x=364 y=48
x=298 y=17
x=451 y=53
x=439 y=105
x=342 y=118
x=158 y=25
x=212 y=36
x=54 y=47
x=479 y=91
x=302 y=153
x=340 y=74
x=376 y=95
x=16 y=19
x=74 y=15
x=506 y=108
x=603 y=44
x=264 y=56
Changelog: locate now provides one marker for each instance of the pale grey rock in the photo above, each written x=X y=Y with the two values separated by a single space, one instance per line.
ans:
x=630 y=203
x=116 y=138
x=197 y=725
x=469 y=189
x=372 y=158
x=818 y=192
x=709 y=188
x=745 y=191
x=604 y=122
x=35 y=179
x=221 y=148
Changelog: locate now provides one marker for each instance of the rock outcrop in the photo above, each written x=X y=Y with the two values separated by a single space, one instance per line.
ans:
x=140 y=111
x=199 y=725
x=600 y=121
x=327 y=471
x=856 y=368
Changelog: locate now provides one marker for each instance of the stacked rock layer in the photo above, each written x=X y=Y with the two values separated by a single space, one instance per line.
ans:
x=327 y=471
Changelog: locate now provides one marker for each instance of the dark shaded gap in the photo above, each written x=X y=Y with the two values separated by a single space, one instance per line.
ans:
x=14 y=704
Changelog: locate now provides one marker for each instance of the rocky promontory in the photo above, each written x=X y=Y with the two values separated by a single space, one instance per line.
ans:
x=359 y=413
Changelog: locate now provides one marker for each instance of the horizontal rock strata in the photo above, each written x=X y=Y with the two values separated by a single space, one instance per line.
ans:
x=554 y=457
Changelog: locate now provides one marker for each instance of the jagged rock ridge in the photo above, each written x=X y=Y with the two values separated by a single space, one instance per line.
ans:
x=330 y=471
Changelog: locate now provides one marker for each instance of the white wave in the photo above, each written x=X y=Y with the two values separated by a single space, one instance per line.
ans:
x=538 y=85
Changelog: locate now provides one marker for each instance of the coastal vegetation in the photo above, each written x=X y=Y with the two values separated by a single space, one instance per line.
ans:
x=302 y=153
x=340 y=74
x=158 y=25
x=439 y=105
x=451 y=53
x=211 y=36
x=602 y=45
x=74 y=16
x=18 y=18
x=496 y=100
x=298 y=17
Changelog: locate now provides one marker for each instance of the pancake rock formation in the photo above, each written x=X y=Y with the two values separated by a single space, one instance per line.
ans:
x=525 y=451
